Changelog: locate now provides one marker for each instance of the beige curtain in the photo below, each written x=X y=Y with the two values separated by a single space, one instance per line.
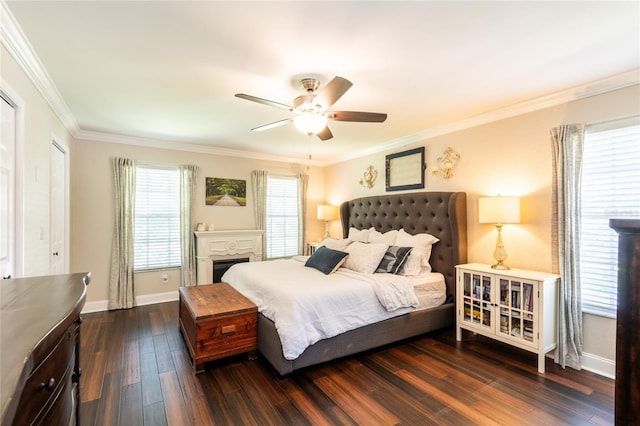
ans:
x=303 y=183
x=567 y=146
x=188 y=175
x=121 y=285
x=259 y=184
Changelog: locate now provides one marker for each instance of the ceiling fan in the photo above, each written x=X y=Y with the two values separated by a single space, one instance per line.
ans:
x=312 y=109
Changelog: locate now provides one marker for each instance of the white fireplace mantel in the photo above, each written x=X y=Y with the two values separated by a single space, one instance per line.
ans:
x=228 y=244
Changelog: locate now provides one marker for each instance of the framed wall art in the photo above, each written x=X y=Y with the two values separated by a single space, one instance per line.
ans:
x=405 y=170
x=225 y=192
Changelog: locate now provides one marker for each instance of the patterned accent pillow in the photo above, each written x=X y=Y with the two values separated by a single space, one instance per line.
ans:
x=393 y=259
x=326 y=260
x=364 y=257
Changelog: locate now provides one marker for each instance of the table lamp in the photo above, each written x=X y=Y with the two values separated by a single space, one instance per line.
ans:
x=327 y=213
x=499 y=210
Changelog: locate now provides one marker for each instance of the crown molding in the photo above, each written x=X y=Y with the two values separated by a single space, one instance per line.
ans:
x=14 y=40
x=598 y=87
x=189 y=147
x=619 y=81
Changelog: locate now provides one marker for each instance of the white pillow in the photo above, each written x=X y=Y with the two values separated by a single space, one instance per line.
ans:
x=388 y=238
x=417 y=240
x=336 y=244
x=364 y=257
x=359 y=234
x=418 y=261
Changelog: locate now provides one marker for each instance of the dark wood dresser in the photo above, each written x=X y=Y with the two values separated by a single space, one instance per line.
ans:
x=628 y=322
x=40 y=349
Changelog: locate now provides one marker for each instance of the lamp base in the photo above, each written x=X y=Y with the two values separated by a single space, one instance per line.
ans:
x=501 y=265
x=500 y=254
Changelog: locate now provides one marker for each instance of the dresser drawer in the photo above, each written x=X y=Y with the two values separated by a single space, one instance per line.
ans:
x=63 y=412
x=48 y=379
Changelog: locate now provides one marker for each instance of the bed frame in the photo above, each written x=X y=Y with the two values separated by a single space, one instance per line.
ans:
x=442 y=214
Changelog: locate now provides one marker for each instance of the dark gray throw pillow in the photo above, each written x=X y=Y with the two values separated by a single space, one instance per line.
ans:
x=326 y=260
x=393 y=259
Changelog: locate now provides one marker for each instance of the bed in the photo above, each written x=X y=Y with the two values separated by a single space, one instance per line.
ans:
x=440 y=214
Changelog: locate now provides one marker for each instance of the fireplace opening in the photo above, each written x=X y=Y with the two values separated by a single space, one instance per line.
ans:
x=221 y=266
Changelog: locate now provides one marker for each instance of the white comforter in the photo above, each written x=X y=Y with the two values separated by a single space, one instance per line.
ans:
x=307 y=306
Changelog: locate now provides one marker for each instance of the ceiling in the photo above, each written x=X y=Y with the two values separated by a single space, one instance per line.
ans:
x=168 y=70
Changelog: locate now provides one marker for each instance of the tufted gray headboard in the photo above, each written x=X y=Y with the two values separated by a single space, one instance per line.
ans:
x=441 y=214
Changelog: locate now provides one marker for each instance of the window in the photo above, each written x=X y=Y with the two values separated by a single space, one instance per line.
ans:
x=282 y=217
x=610 y=188
x=157 y=218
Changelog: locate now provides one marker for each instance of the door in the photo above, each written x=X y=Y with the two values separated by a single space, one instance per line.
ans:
x=58 y=209
x=7 y=188
x=477 y=300
x=518 y=304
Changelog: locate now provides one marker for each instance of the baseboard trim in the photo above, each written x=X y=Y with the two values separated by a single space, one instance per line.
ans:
x=145 y=299
x=150 y=299
x=599 y=365
x=97 y=306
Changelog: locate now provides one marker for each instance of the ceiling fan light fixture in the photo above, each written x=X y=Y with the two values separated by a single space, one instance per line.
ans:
x=310 y=123
x=312 y=109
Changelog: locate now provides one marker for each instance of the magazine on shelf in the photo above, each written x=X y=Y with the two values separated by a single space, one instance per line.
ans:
x=528 y=299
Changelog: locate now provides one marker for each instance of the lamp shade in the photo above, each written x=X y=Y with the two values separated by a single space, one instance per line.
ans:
x=499 y=210
x=327 y=212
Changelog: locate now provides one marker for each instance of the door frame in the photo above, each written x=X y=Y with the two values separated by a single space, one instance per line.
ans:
x=64 y=149
x=19 y=166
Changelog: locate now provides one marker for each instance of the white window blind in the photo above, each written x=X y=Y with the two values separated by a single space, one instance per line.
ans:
x=157 y=218
x=282 y=217
x=610 y=189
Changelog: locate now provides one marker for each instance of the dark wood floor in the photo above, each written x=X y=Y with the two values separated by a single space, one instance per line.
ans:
x=137 y=371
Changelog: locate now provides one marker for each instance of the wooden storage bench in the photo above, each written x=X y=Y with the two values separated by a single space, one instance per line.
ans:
x=216 y=322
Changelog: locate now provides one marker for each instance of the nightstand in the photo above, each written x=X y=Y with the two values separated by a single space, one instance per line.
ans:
x=312 y=247
x=515 y=306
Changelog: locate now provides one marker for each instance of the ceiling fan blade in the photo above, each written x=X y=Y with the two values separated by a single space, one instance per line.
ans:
x=332 y=91
x=271 y=125
x=365 y=117
x=325 y=134
x=263 y=101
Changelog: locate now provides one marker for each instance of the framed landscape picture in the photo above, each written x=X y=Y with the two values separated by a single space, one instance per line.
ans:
x=225 y=192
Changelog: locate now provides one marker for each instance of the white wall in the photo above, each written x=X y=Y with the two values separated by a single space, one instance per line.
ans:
x=38 y=126
x=92 y=205
x=507 y=157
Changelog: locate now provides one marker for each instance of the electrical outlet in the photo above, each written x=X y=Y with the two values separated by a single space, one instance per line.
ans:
x=165 y=278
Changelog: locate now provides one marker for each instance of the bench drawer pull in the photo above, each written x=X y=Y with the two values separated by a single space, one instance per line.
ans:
x=227 y=329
